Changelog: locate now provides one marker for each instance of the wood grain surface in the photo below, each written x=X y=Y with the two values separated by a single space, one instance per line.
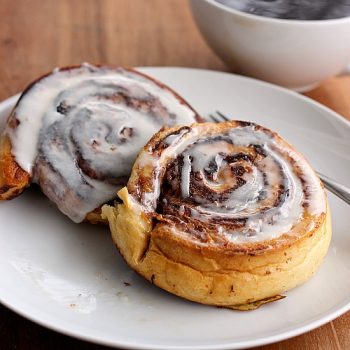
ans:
x=36 y=36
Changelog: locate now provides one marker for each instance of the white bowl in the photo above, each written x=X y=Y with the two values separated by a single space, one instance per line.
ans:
x=293 y=53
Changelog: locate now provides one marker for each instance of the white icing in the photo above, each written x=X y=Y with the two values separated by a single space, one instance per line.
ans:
x=261 y=180
x=79 y=109
x=185 y=180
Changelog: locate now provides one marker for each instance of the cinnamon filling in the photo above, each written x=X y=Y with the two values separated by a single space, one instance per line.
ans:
x=78 y=131
x=239 y=185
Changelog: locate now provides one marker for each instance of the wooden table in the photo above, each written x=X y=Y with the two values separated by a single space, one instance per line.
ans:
x=36 y=36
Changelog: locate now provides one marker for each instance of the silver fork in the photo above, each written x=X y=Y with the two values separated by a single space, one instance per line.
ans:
x=339 y=190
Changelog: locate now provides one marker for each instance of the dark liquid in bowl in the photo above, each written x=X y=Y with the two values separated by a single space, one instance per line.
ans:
x=292 y=9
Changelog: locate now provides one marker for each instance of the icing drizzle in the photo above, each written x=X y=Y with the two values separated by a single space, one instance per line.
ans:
x=244 y=184
x=78 y=131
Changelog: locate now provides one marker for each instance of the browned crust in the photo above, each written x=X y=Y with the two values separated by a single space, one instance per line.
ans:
x=238 y=281
x=13 y=179
x=95 y=217
x=248 y=305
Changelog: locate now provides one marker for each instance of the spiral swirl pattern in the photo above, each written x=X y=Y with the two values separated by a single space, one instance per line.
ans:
x=229 y=183
x=79 y=130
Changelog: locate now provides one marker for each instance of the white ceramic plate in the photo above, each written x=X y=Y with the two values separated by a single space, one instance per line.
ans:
x=70 y=278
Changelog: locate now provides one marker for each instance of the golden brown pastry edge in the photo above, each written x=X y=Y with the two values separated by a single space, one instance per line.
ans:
x=222 y=278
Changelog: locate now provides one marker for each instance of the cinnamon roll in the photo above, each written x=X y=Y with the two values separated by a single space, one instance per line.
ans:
x=223 y=214
x=76 y=132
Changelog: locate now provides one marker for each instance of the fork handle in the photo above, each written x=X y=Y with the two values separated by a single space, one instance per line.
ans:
x=339 y=190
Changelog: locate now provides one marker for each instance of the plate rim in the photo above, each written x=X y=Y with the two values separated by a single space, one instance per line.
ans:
x=307 y=326
x=225 y=346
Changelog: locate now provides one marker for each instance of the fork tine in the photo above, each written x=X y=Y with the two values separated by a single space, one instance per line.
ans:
x=216 y=120
x=223 y=116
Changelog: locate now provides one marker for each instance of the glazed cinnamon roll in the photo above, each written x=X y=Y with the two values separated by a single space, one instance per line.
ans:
x=223 y=214
x=76 y=132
